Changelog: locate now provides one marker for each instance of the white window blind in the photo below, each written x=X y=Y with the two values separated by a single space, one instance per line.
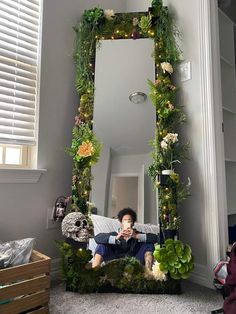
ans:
x=19 y=54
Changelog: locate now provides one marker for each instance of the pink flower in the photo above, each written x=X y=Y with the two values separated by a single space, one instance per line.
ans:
x=77 y=120
x=157 y=82
x=74 y=178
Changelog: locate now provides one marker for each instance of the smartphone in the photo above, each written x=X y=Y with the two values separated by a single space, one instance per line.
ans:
x=126 y=225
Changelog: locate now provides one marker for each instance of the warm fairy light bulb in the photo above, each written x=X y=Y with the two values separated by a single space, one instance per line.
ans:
x=126 y=35
x=117 y=31
x=80 y=182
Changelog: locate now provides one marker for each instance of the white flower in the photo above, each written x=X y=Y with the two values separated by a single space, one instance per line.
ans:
x=171 y=138
x=90 y=204
x=135 y=21
x=157 y=273
x=109 y=14
x=164 y=145
x=167 y=67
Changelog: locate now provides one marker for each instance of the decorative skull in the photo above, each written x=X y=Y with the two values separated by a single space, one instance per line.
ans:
x=77 y=227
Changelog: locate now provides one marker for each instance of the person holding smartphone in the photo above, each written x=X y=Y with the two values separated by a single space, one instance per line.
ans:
x=125 y=242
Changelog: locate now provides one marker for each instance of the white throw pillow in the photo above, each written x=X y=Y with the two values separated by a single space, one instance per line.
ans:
x=105 y=225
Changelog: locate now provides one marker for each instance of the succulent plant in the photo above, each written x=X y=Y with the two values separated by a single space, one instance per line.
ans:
x=175 y=258
x=145 y=23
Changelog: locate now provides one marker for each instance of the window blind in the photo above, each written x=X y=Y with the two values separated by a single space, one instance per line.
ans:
x=19 y=55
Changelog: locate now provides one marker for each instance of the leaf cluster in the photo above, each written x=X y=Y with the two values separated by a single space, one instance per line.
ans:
x=175 y=258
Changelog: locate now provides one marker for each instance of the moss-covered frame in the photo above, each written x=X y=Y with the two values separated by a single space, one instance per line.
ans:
x=124 y=275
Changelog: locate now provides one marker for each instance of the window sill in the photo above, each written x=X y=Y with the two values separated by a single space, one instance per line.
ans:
x=20 y=175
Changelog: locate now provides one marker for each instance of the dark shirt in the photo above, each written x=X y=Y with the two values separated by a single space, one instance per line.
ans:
x=124 y=247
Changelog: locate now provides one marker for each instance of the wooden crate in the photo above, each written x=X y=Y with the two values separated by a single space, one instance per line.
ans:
x=26 y=287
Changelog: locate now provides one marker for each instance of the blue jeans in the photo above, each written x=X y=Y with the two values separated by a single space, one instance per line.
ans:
x=108 y=253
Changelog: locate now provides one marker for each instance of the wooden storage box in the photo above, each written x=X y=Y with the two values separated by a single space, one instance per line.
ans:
x=25 y=288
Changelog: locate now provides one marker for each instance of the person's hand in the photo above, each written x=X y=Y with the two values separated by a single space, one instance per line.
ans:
x=125 y=233
x=130 y=232
x=121 y=234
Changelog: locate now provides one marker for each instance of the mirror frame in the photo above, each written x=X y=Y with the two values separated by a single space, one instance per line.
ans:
x=157 y=23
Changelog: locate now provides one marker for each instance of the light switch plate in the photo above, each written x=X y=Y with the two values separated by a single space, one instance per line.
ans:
x=185 y=71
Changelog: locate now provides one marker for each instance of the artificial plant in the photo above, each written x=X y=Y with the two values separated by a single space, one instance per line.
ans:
x=174 y=258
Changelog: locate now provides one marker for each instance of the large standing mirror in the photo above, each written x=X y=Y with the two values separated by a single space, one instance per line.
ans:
x=124 y=120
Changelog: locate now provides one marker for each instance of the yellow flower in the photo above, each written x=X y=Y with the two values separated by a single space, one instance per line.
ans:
x=86 y=149
x=167 y=67
x=157 y=273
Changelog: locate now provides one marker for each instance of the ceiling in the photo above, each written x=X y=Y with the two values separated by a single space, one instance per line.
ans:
x=123 y=67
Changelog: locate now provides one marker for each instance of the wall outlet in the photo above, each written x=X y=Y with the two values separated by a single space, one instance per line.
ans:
x=50 y=223
x=185 y=71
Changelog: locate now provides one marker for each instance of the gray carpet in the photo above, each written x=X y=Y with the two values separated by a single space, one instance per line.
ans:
x=195 y=299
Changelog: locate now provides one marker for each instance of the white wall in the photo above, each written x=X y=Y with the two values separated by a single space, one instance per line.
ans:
x=138 y=5
x=23 y=206
x=100 y=183
x=192 y=211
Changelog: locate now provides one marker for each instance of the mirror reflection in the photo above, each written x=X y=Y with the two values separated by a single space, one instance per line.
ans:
x=124 y=120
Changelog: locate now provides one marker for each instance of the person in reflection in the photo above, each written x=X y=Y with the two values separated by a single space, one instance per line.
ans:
x=126 y=242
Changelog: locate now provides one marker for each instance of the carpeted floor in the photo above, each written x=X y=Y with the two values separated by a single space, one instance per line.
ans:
x=195 y=299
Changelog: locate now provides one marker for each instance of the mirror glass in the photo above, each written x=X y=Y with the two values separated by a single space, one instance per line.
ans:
x=125 y=128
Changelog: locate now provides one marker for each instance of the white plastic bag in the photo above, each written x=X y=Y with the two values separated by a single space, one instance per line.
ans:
x=15 y=253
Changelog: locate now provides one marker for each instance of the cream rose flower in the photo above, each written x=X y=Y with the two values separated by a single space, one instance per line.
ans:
x=164 y=145
x=109 y=14
x=171 y=138
x=86 y=149
x=167 y=67
x=157 y=273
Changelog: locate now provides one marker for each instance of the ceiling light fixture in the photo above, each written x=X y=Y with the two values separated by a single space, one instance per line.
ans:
x=138 y=97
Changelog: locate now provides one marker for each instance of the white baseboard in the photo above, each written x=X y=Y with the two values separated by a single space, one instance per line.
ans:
x=55 y=269
x=201 y=276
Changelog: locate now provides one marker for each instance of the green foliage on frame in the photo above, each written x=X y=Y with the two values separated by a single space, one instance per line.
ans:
x=124 y=275
x=97 y=24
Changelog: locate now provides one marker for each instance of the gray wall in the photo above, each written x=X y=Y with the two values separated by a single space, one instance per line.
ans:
x=133 y=164
x=23 y=206
x=231 y=11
